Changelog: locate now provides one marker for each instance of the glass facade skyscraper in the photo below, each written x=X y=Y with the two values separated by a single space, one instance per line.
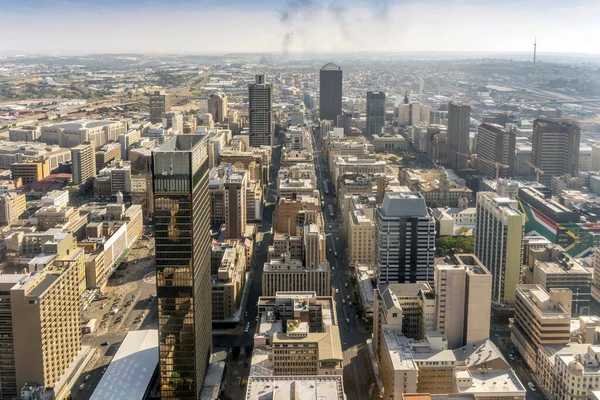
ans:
x=181 y=223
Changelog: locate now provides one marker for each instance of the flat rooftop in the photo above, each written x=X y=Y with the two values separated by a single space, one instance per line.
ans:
x=294 y=388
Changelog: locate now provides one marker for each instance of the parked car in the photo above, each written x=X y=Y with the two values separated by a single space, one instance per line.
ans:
x=82 y=386
x=531 y=386
x=105 y=344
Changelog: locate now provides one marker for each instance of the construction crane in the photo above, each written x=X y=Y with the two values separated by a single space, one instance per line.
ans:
x=496 y=163
x=538 y=171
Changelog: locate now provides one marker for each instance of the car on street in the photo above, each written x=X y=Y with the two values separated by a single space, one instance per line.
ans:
x=350 y=303
x=105 y=344
x=330 y=250
x=347 y=321
x=337 y=291
x=512 y=357
x=82 y=386
x=333 y=268
x=348 y=296
x=87 y=378
x=531 y=386
x=335 y=254
x=343 y=301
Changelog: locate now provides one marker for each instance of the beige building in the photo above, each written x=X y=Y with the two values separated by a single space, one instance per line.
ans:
x=12 y=205
x=289 y=214
x=541 y=318
x=389 y=143
x=228 y=283
x=463 y=292
x=217 y=106
x=438 y=187
x=301 y=332
x=84 y=163
x=30 y=171
x=313 y=241
x=498 y=239
x=234 y=202
x=109 y=152
x=284 y=243
x=45 y=314
x=73 y=133
x=353 y=165
x=429 y=367
x=361 y=237
x=406 y=307
x=286 y=274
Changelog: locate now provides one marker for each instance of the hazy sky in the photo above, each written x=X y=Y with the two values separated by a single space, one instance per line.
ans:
x=208 y=26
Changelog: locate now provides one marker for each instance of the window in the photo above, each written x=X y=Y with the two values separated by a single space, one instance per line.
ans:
x=395 y=315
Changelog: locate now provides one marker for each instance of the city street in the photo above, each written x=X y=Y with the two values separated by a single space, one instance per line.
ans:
x=131 y=291
x=358 y=371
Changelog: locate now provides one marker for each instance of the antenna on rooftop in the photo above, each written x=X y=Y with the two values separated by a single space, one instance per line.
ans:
x=534 y=49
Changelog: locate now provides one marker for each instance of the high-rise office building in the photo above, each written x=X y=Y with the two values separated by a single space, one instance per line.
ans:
x=260 y=113
x=375 y=112
x=463 y=288
x=217 y=107
x=459 y=120
x=498 y=236
x=330 y=93
x=83 y=160
x=158 y=106
x=182 y=224
x=555 y=148
x=495 y=150
x=405 y=239
x=234 y=200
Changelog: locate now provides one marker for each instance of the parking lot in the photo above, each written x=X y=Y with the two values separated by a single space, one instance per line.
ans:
x=126 y=305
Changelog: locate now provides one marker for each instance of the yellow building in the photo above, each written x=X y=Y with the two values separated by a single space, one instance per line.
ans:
x=31 y=170
x=12 y=205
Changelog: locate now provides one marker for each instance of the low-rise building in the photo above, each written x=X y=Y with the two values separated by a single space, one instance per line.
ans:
x=286 y=274
x=12 y=205
x=457 y=221
x=389 y=143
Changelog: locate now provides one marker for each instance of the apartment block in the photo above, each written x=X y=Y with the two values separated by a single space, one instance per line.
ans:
x=217 y=107
x=498 y=239
x=463 y=291
x=541 y=318
x=459 y=115
x=361 y=237
x=84 y=163
x=228 y=282
x=45 y=313
x=108 y=153
x=12 y=205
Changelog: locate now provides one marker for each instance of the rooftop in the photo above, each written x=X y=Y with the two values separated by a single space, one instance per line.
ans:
x=131 y=370
x=81 y=124
x=293 y=388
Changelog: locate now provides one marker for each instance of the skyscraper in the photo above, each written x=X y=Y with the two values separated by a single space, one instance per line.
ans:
x=217 y=106
x=236 y=185
x=181 y=224
x=498 y=236
x=330 y=96
x=260 y=113
x=375 y=112
x=459 y=120
x=158 y=106
x=495 y=145
x=555 y=147
x=83 y=161
x=405 y=239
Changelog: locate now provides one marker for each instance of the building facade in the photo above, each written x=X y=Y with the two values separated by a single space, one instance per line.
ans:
x=375 y=112
x=260 y=113
x=84 y=163
x=181 y=224
x=405 y=239
x=330 y=92
x=495 y=151
x=459 y=122
x=555 y=148
x=498 y=239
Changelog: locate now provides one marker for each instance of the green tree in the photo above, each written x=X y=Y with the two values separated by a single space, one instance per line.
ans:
x=449 y=244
